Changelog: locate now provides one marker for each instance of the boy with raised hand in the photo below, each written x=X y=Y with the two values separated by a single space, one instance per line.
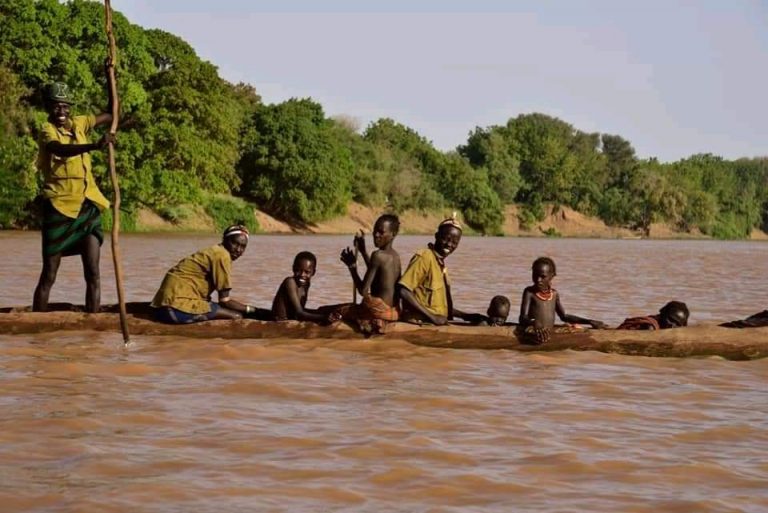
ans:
x=378 y=288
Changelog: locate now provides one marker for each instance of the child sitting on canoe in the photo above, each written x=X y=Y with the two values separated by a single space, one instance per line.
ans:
x=672 y=315
x=292 y=295
x=496 y=315
x=498 y=311
x=380 y=304
x=541 y=302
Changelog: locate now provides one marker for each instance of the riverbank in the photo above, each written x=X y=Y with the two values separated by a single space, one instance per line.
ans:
x=558 y=222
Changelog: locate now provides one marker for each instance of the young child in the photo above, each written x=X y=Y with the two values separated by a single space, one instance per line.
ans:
x=541 y=302
x=293 y=293
x=497 y=313
x=379 y=286
x=672 y=315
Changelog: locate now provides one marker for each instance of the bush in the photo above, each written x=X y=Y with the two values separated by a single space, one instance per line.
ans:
x=176 y=214
x=127 y=220
x=225 y=211
x=530 y=215
x=552 y=232
x=295 y=166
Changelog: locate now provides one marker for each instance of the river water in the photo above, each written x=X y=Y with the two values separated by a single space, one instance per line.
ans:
x=175 y=425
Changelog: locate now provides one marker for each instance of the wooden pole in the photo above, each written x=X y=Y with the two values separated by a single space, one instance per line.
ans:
x=354 y=285
x=112 y=59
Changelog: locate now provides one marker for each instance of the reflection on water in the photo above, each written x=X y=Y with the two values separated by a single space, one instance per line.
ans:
x=170 y=424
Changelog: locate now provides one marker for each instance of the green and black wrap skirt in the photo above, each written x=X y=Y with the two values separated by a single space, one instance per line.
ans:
x=62 y=234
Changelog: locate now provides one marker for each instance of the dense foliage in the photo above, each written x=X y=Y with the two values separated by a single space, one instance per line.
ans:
x=188 y=137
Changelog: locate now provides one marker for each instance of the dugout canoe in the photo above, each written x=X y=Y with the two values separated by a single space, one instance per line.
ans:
x=701 y=340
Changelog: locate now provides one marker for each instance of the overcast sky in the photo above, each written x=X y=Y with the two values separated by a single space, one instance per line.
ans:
x=673 y=77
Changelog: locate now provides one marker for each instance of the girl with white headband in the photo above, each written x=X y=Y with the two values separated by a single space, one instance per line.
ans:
x=185 y=294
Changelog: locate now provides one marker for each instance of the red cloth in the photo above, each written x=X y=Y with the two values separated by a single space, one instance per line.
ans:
x=649 y=322
x=372 y=315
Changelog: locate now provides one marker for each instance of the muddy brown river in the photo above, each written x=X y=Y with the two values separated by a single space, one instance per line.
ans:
x=175 y=425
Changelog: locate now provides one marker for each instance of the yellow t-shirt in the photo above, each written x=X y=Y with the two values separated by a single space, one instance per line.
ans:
x=188 y=285
x=68 y=180
x=427 y=279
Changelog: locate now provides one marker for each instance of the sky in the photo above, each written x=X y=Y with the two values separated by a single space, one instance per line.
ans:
x=674 y=77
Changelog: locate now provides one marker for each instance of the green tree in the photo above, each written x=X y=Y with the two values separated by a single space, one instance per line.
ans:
x=470 y=189
x=18 y=184
x=547 y=165
x=621 y=162
x=494 y=150
x=398 y=158
x=295 y=166
x=427 y=178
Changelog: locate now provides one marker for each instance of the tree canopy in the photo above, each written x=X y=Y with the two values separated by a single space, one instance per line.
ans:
x=190 y=137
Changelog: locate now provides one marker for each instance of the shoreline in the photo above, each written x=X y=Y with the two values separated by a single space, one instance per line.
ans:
x=561 y=222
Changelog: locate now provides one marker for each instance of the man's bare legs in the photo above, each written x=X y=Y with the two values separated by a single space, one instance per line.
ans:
x=44 y=284
x=90 y=253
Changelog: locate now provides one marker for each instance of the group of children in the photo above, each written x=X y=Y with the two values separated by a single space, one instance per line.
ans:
x=420 y=294
x=377 y=287
x=380 y=288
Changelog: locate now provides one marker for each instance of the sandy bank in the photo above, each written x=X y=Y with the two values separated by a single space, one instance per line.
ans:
x=560 y=221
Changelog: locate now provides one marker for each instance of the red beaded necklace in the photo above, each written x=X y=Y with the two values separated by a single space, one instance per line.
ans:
x=546 y=296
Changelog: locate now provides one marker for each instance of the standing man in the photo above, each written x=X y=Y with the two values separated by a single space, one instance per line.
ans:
x=73 y=201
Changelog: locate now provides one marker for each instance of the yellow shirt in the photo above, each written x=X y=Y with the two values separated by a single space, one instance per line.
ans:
x=427 y=279
x=188 y=285
x=68 y=180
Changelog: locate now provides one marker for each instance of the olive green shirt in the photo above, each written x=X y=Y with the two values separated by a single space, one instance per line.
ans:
x=188 y=285
x=68 y=181
x=427 y=280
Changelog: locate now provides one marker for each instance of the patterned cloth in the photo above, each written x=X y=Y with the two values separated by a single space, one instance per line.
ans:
x=62 y=234
x=648 y=322
x=371 y=316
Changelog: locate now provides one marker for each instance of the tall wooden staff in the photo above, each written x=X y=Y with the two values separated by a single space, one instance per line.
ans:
x=113 y=174
x=354 y=285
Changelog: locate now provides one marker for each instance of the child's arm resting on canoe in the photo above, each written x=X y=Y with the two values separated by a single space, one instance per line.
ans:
x=575 y=319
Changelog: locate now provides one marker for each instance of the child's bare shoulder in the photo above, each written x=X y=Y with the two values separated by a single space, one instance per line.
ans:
x=384 y=255
x=288 y=283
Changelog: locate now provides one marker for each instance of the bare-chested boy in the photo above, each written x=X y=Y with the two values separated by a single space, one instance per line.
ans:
x=379 y=286
x=541 y=302
x=291 y=297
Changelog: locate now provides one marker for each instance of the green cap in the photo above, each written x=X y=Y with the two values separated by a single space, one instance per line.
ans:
x=58 y=92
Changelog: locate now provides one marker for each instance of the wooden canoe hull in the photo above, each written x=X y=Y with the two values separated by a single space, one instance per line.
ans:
x=702 y=340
